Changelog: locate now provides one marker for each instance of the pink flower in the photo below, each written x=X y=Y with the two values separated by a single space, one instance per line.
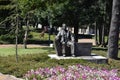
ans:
x=75 y=72
x=34 y=79
x=84 y=77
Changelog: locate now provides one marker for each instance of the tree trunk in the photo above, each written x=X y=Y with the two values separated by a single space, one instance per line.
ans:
x=96 y=36
x=100 y=34
x=103 y=35
x=114 y=31
x=76 y=27
x=108 y=19
x=26 y=36
x=16 y=32
x=16 y=45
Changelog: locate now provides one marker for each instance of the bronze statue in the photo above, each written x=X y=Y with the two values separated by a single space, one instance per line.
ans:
x=65 y=40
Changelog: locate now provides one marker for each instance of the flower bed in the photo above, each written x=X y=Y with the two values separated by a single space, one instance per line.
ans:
x=75 y=72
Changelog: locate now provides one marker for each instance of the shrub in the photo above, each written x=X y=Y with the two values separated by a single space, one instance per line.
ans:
x=10 y=38
x=7 y=38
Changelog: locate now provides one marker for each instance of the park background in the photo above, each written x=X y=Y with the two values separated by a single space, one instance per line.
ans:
x=19 y=20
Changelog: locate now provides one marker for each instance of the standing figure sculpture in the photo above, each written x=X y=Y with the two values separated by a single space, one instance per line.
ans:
x=65 y=41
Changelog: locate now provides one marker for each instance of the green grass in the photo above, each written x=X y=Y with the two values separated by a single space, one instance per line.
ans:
x=36 y=36
x=34 y=58
x=11 y=51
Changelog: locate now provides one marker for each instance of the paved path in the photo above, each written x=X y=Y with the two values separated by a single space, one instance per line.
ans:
x=20 y=45
x=87 y=40
x=8 y=77
x=37 y=45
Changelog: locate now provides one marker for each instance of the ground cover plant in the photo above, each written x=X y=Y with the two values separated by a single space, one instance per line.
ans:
x=75 y=72
x=36 y=60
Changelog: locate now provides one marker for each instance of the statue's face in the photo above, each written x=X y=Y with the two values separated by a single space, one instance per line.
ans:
x=64 y=26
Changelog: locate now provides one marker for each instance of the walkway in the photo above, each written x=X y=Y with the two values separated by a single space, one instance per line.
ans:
x=8 y=77
x=87 y=40
x=37 y=45
x=21 y=45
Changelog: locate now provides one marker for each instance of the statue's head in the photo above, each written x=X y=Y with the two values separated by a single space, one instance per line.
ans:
x=64 y=26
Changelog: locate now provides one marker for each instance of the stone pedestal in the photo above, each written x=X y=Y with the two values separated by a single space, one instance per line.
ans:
x=83 y=49
x=93 y=58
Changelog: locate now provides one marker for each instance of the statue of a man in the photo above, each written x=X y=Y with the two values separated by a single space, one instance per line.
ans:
x=66 y=38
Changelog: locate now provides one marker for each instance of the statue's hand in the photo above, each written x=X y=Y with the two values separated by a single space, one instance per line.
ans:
x=56 y=38
x=63 y=42
x=73 y=41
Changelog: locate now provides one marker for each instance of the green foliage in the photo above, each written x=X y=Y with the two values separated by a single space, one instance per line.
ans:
x=84 y=12
x=33 y=38
x=7 y=38
x=5 y=8
x=37 y=39
x=10 y=37
x=36 y=35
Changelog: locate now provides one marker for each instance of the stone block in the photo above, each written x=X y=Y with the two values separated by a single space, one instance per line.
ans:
x=83 y=49
x=93 y=58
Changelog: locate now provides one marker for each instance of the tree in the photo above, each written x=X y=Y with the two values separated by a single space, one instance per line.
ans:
x=26 y=8
x=73 y=13
x=100 y=18
x=114 y=31
x=5 y=9
x=77 y=13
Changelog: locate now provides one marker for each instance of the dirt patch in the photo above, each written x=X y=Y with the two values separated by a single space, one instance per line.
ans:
x=21 y=45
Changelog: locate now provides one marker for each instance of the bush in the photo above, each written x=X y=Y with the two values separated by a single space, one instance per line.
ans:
x=35 y=41
x=7 y=38
x=10 y=38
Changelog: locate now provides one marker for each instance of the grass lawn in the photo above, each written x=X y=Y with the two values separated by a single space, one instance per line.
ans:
x=11 y=51
x=34 y=58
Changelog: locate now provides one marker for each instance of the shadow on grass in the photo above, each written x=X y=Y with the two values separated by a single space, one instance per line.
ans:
x=118 y=59
x=39 y=41
x=49 y=50
x=99 y=48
